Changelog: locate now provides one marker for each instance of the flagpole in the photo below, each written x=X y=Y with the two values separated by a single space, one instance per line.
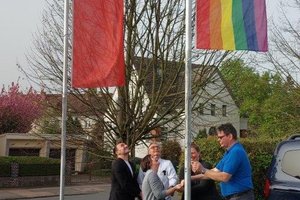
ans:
x=64 y=103
x=187 y=162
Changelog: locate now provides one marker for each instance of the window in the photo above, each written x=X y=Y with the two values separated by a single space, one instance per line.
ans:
x=24 y=152
x=213 y=109
x=212 y=131
x=290 y=165
x=201 y=109
x=87 y=124
x=224 y=110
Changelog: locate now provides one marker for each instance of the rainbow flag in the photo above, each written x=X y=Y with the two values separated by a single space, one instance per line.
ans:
x=231 y=25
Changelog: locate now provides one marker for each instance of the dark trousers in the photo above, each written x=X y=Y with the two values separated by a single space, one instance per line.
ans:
x=247 y=195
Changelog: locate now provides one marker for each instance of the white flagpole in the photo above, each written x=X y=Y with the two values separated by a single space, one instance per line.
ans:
x=188 y=44
x=64 y=103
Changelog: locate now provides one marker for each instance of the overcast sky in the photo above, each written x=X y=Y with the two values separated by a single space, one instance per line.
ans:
x=19 y=19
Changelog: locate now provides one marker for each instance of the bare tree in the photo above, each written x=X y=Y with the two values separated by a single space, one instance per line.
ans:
x=284 y=53
x=154 y=92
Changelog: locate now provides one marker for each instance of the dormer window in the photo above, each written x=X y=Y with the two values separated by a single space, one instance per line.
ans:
x=201 y=109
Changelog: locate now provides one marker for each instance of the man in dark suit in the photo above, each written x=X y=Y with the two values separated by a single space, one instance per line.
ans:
x=124 y=184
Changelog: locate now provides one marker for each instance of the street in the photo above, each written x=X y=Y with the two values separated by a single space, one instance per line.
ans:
x=94 y=196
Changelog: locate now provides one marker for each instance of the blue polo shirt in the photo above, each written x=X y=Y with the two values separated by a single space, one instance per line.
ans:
x=235 y=162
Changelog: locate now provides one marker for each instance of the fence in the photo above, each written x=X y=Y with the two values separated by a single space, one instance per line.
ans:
x=94 y=172
x=27 y=175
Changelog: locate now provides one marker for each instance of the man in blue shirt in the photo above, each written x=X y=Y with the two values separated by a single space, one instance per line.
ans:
x=233 y=170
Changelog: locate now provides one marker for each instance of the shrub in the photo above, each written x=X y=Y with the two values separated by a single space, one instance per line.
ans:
x=5 y=170
x=39 y=169
x=210 y=150
x=201 y=134
x=31 y=165
x=171 y=150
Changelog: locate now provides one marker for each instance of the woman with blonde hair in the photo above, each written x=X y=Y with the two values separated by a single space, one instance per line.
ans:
x=152 y=187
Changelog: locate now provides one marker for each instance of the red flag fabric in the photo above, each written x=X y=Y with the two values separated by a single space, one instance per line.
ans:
x=98 y=44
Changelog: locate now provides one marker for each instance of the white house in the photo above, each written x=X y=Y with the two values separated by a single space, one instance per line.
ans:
x=213 y=104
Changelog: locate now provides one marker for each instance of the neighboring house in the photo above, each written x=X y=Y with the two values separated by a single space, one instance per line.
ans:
x=26 y=144
x=212 y=105
x=85 y=111
x=215 y=107
x=40 y=143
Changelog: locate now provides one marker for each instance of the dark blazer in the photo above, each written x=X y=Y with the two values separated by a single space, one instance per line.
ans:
x=202 y=189
x=124 y=185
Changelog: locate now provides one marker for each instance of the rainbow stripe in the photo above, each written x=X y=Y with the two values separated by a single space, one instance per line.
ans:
x=232 y=25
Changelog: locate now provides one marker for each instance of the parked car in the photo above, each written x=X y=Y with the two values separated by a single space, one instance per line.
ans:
x=283 y=176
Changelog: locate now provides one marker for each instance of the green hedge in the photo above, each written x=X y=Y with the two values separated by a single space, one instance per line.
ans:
x=30 y=166
x=171 y=150
x=5 y=170
x=39 y=169
x=260 y=153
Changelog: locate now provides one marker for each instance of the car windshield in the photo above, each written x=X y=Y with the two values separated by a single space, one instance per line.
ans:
x=290 y=163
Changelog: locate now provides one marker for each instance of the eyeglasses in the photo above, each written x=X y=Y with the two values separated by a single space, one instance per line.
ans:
x=221 y=137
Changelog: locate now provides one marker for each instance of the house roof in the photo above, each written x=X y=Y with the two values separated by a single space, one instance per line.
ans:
x=169 y=76
x=160 y=76
x=157 y=76
x=84 y=104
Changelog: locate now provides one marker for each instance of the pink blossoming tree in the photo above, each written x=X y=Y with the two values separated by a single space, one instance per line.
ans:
x=18 y=110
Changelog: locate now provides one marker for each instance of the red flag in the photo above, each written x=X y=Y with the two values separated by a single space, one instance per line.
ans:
x=98 y=44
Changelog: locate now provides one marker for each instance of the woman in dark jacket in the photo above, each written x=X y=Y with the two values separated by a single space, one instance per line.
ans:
x=200 y=189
